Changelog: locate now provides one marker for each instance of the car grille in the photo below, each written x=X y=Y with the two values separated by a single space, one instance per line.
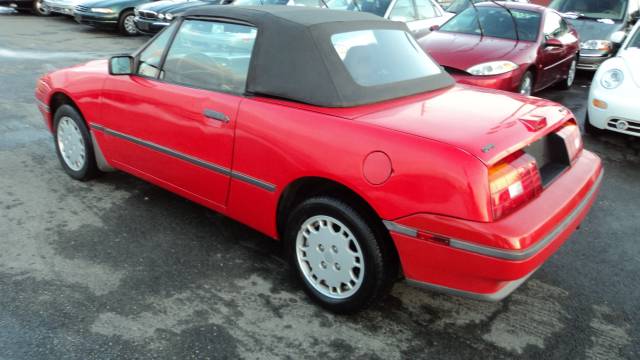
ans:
x=633 y=126
x=81 y=8
x=146 y=14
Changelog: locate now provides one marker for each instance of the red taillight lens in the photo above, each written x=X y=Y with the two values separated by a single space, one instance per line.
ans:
x=570 y=133
x=513 y=182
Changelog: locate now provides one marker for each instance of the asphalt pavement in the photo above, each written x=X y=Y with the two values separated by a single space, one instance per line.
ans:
x=117 y=268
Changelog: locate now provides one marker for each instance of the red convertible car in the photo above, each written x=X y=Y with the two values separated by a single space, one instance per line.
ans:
x=334 y=132
x=509 y=46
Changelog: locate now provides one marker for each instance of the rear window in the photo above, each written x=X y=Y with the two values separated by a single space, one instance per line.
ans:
x=496 y=22
x=380 y=57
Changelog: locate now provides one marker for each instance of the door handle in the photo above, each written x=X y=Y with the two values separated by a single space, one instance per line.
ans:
x=216 y=115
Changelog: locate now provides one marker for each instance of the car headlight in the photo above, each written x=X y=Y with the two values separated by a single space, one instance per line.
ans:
x=102 y=10
x=612 y=79
x=603 y=45
x=492 y=68
x=169 y=16
x=161 y=16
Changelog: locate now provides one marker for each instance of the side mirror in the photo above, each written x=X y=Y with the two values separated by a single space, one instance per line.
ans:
x=121 y=65
x=434 y=28
x=553 y=42
x=635 y=16
x=618 y=37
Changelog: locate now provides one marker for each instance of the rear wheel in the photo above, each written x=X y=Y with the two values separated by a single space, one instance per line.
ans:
x=526 y=84
x=39 y=9
x=336 y=254
x=571 y=76
x=126 y=25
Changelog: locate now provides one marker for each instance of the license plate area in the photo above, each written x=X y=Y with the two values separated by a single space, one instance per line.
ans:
x=551 y=155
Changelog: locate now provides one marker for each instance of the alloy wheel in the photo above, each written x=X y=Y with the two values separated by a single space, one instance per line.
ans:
x=571 y=77
x=129 y=25
x=330 y=257
x=71 y=144
x=40 y=8
x=526 y=86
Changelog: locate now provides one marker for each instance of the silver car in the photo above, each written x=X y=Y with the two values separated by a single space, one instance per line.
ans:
x=64 y=7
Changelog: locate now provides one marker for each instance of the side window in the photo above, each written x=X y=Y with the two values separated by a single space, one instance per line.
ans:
x=554 y=26
x=403 y=10
x=150 y=58
x=210 y=55
x=426 y=10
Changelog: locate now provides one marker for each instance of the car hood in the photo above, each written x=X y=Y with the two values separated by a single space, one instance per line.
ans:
x=174 y=7
x=589 y=29
x=631 y=58
x=485 y=123
x=462 y=51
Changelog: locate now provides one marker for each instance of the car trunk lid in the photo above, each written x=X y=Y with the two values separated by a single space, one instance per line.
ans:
x=487 y=124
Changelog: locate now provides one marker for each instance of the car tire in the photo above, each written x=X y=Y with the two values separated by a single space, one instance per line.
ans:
x=73 y=144
x=329 y=243
x=590 y=129
x=126 y=26
x=566 y=83
x=39 y=9
x=526 y=84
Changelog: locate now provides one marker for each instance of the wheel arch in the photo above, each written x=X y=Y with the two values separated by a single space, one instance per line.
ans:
x=58 y=99
x=306 y=187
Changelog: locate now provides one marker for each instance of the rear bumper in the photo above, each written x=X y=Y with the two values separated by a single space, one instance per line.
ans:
x=65 y=9
x=488 y=261
x=507 y=82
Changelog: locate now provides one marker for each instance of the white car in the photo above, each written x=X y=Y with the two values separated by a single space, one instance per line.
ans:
x=614 y=99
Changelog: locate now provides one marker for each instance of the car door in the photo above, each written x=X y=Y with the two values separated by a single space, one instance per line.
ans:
x=173 y=122
x=554 y=60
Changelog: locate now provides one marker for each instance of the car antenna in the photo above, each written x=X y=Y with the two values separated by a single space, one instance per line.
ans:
x=513 y=18
x=477 y=17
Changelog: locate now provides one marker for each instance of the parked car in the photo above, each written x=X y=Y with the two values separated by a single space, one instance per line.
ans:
x=468 y=200
x=540 y=2
x=152 y=17
x=514 y=47
x=32 y=6
x=457 y=6
x=109 y=14
x=596 y=21
x=615 y=90
x=63 y=7
x=419 y=15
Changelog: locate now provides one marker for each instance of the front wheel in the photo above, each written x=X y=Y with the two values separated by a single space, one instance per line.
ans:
x=73 y=144
x=571 y=76
x=126 y=25
x=337 y=256
x=526 y=84
x=39 y=9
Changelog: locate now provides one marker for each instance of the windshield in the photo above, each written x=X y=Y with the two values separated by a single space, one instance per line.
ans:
x=378 y=7
x=380 y=57
x=496 y=22
x=595 y=9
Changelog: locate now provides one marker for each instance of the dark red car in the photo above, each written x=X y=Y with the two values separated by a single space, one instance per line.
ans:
x=335 y=132
x=508 y=46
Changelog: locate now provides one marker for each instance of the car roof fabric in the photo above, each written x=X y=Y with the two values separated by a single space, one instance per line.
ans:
x=294 y=59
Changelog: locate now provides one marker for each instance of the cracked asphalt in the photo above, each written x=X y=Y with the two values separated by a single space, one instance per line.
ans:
x=117 y=268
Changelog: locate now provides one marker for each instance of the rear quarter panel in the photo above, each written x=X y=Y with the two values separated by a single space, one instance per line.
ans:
x=281 y=144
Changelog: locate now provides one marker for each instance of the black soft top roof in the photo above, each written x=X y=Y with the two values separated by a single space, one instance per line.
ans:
x=293 y=57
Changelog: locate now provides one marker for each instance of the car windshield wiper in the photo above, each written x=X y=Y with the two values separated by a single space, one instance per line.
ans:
x=355 y=2
x=577 y=15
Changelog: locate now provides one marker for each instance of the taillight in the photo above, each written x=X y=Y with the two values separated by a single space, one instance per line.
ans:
x=513 y=182
x=570 y=133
